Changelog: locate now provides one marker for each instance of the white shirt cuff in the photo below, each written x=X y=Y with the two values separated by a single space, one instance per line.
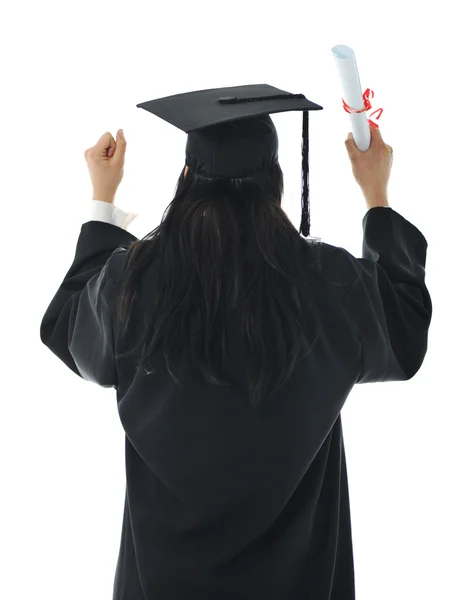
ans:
x=108 y=213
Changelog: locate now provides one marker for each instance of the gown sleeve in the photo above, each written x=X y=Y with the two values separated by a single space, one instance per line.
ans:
x=392 y=304
x=78 y=325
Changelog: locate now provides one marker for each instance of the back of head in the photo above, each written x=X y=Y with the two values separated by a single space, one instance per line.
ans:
x=226 y=243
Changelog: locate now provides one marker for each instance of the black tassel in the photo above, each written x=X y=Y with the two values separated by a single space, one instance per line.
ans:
x=305 y=221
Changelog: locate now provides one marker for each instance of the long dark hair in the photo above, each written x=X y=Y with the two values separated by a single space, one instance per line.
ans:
x=226 y=244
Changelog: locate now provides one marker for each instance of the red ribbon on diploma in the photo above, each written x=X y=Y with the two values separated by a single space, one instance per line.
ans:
x=367 y=106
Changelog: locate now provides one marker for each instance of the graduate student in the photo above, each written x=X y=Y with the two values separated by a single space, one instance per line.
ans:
x=233 y=342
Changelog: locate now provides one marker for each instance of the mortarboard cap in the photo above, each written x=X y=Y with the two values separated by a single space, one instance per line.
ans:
x=230 y=132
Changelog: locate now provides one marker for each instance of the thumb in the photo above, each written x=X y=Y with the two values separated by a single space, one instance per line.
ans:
x=120 y=144
x=350 y=143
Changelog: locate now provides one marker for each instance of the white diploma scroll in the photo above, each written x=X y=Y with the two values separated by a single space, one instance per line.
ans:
x=352 y=93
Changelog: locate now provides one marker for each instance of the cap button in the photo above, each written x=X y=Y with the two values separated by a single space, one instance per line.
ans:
x=227 y=98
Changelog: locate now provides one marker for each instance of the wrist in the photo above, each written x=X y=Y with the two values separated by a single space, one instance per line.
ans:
x=377 y=204
x=376 y=198
x=103 y=197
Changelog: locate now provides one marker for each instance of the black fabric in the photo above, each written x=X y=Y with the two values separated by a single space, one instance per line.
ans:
x=222 y=501
x=235 y=149
x=193 y=111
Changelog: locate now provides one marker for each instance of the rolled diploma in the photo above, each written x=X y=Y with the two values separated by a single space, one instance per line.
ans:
x=352 y=93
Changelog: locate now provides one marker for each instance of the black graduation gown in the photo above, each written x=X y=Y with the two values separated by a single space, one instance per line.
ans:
x=224 y=502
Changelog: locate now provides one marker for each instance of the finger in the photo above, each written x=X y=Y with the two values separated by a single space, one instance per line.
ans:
x=375 y=136
x=106 y=137
x=105 y=141
x=377 y=139
x=375 y=131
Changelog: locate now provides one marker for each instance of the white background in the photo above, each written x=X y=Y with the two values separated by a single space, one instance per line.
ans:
x=69 y=73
